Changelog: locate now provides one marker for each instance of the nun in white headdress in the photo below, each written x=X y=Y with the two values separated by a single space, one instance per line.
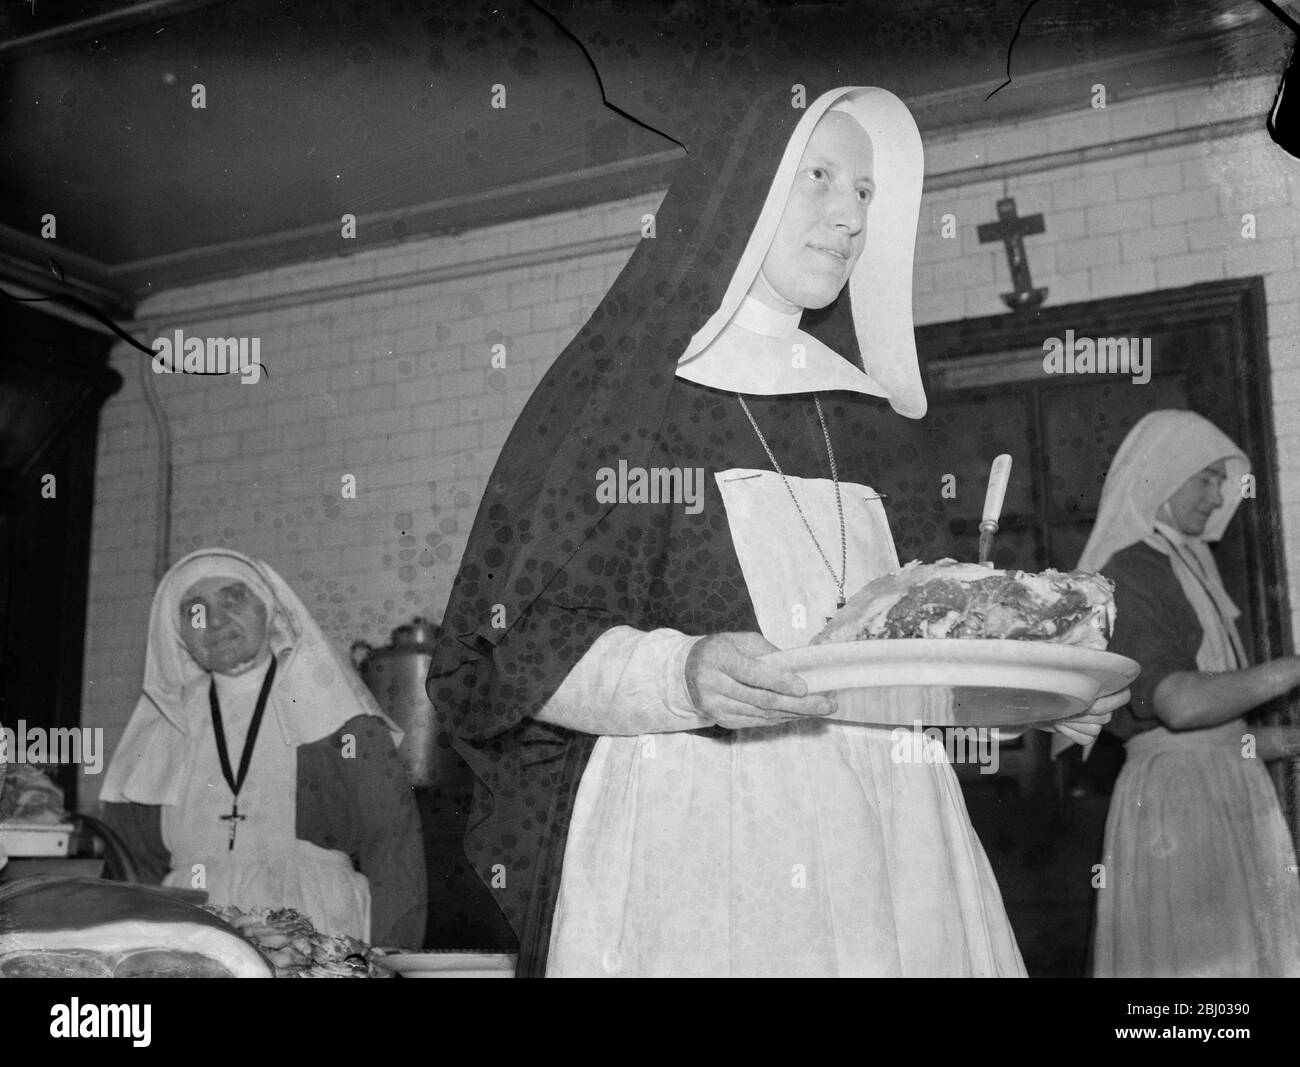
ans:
x=258 y=767
x=704 y=815
x=1200 y=871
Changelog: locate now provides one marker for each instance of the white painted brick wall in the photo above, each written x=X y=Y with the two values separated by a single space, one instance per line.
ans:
x=396 y=388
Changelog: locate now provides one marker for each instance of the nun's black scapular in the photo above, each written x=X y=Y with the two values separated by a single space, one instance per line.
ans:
x=549 y=567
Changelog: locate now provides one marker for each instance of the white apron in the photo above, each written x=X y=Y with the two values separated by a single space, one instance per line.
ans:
x=800 y=849
x=268 y=867
x=1200 y=870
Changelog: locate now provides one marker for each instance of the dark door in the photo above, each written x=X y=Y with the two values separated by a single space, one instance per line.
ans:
x=53 y=380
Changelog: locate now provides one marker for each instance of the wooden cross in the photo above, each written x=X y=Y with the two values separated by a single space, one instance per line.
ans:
x=1011 y=230
x=234 y=818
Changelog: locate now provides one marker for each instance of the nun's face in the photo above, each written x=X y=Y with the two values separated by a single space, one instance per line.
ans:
x=223 y=625
x=1199 y=497
x=824 y=227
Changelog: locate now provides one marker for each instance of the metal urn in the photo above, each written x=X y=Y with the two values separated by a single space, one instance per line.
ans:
x=395 y=675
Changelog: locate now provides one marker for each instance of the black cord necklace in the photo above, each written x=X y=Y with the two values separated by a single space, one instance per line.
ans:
x=223 y=753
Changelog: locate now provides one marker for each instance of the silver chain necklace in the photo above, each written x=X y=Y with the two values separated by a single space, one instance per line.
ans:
x=839 y=503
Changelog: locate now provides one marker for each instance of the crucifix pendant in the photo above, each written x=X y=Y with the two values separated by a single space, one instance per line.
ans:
x=839 y=603
x=234 y=818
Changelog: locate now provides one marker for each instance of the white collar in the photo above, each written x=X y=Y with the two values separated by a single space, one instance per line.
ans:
x=762 y=352
x=756 y=317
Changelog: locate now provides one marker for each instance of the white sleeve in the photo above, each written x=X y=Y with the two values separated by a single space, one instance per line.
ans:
x=630 y=682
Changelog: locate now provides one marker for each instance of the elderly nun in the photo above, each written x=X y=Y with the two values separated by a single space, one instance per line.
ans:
x=258 y=767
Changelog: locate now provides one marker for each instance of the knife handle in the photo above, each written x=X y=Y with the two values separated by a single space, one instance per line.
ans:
x=999 y=476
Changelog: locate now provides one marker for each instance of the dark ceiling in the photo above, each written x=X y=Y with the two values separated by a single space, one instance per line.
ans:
x=383 y=110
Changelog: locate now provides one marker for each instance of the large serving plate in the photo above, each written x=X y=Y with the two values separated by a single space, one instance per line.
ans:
x=449 y=964
x=957 y=682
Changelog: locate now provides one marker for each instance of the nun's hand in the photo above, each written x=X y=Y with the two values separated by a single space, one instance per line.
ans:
x=1084 y=727
x=730 y=685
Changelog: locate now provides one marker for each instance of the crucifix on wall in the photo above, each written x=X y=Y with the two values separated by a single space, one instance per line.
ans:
x=1011 y=230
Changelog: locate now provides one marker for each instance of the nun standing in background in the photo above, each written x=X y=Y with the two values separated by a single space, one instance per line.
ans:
x=1200 y=870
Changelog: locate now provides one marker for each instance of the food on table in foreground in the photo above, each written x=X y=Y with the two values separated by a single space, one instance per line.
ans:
x=54 y=927
x=295 y=947
x=29 y=795
x=948 y=599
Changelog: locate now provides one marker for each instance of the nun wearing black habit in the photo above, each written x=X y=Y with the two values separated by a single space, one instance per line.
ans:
x=651 y=800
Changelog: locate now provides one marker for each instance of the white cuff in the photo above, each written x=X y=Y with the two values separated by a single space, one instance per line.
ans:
x=630 y=682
